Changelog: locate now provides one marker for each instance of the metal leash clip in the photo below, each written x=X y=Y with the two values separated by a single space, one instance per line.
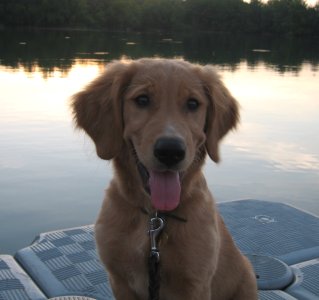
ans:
x=156 y=227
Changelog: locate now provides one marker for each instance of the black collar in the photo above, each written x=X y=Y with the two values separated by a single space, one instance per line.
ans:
x=164 y=215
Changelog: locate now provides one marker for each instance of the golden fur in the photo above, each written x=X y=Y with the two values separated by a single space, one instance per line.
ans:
x=198 y=258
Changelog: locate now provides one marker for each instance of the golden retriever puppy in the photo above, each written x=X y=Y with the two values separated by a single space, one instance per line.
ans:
x=156 y=119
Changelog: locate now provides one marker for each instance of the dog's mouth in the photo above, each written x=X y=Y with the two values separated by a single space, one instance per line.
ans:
x=164 y=187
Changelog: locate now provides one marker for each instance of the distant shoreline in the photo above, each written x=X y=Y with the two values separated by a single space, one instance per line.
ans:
x=280 y=17
x=159 y=32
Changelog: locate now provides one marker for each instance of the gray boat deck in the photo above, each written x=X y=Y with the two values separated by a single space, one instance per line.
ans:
x=282 y=243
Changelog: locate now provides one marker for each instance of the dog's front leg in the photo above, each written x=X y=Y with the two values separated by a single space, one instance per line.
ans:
x=187 y=294
x=121 y=290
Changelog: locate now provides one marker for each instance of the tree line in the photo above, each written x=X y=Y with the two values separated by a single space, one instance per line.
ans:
x=293 y=17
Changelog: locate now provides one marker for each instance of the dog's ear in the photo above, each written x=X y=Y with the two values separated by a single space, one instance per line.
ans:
x=98 y=108
x=223 y=111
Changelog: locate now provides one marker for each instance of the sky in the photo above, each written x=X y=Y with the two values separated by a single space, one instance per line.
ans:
x=309 y=2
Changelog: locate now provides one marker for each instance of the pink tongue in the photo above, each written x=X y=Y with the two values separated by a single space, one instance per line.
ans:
x=165 y=190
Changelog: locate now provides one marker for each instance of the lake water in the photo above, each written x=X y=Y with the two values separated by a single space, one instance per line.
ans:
x=50 y=177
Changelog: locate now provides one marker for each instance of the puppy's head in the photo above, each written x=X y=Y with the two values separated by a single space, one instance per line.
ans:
x=169 y=111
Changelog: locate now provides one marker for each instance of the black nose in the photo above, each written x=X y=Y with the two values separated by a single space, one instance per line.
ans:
x=169 y=151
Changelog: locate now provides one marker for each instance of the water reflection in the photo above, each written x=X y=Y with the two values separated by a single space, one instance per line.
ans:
x=49 y=51
x=50 y=176
x=279 y=116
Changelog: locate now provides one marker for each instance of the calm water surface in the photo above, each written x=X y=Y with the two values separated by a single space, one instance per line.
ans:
x=50 y=177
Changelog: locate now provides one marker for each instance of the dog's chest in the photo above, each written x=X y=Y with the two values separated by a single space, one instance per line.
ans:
x=128 y=258
x=135 y=263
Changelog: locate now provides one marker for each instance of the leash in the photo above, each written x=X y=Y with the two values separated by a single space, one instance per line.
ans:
x=157 y=225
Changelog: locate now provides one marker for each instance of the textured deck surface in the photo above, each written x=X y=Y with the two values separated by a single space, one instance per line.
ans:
x=281 y=242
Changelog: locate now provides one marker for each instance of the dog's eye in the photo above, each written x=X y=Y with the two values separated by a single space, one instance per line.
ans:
x=192 y=104
x=142 y=101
